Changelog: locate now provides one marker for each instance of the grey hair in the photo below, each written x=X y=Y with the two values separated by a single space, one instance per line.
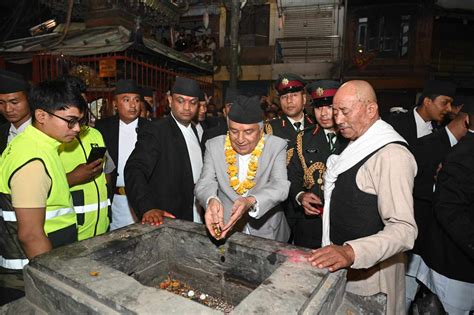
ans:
x=260 y=124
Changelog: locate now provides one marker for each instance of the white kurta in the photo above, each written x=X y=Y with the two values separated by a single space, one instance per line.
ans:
x=121 y=212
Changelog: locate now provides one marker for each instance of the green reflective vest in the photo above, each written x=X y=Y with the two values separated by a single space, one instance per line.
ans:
x=60 y=219
x=90 y=199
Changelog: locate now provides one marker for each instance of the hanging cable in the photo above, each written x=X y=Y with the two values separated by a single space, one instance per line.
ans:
x=68 y=24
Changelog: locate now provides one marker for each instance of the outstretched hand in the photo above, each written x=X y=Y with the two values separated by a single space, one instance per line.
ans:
x=239 y=208
x=155 y=217
x=214 y=218
x=332 y=257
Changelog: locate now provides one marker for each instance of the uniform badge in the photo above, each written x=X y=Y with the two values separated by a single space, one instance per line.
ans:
x=320 y=91
x=285 y=81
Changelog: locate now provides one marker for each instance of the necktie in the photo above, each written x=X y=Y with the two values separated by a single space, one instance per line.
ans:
x=297 y=125
x=331 y=138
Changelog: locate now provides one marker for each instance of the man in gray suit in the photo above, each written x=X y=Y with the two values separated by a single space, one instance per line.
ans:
x=244 y=177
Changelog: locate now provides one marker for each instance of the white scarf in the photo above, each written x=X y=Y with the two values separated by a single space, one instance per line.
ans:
x=377 y=136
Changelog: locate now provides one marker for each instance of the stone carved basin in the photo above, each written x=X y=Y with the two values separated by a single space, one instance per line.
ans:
x=119 y=273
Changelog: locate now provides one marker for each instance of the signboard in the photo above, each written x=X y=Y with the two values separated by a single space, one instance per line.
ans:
x=107 y=68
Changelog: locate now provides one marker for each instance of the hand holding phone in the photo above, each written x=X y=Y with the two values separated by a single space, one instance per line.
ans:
x=96 y=153
x=311 y=203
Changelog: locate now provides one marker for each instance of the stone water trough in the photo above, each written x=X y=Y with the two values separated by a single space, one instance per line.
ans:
x=121 y=272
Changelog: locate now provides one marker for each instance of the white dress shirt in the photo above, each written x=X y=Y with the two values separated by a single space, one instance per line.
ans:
x=13 y=132
x=121 y=212
x=423 y=127
x=292 y=121
x=452 y=139
x=199 y=130
x=127 y=140
x=195 y=157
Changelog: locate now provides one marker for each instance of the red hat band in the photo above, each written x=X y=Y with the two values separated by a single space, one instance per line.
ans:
x=321 y=93
x=289 y=84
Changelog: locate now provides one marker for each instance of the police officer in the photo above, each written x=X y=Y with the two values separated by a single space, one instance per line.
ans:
x=37 y=213
x=306 y=169
x=290 y=88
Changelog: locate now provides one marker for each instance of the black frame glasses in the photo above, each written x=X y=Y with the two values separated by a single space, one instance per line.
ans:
x=71 y=122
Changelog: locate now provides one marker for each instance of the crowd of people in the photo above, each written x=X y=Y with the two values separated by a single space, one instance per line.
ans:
x=359 y=192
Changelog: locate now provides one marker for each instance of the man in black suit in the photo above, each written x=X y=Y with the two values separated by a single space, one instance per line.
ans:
x=13 y=106
x=221 y=127
x=306 y=170
x=202 y=121
x=434 y=104
x=449 y=247
x=120 y=135
x=167 y=160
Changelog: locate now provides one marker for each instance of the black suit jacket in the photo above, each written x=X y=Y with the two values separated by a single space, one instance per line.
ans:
x=283 y=128
x=218 y=130
x=450 y=250
x=4 y=129
x=109 y=128
x=429 y=151
x=405 y=125
x=315 y=148
x=158 y=174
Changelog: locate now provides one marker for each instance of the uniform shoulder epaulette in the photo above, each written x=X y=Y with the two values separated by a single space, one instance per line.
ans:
x=308 y=128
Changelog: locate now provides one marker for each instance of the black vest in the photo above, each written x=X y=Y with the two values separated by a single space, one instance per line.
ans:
x=354 y=213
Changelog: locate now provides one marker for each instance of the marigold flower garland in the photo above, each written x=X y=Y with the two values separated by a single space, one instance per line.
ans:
x=231 y=158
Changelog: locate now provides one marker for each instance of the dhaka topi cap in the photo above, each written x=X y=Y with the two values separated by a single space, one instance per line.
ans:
x=437 y=87
x=246 y=110
x=187 y=87
x=146 y=92
x=288 y=83
x=202 y=97
x=322 y=92
x=11 y=82
x=127 y=87
x=230 y=95
x=468 y=106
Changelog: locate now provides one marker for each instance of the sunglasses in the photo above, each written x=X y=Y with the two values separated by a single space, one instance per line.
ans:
x=73 y=121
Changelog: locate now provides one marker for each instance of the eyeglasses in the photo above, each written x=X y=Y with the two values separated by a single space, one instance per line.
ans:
x=73 y=121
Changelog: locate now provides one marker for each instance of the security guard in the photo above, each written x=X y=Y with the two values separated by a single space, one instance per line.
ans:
x=290 y=88
x=37 y=213
x=87 y=181
x=306 y=169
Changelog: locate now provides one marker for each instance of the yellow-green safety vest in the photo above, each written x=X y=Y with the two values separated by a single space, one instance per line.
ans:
x=60 y=218
x=89 y=199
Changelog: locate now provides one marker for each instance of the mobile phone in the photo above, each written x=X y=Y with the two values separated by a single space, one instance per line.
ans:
x=96 y=153
x=319 y=207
